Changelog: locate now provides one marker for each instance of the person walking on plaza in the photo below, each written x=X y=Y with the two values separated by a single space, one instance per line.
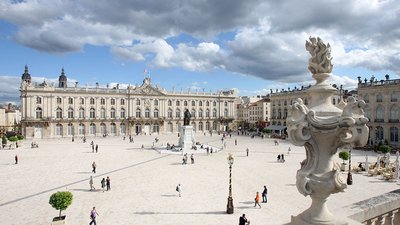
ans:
x=91 y=183
x=192 y=158
x=108 y=183
x=264 y=194
x=16 y=159
x=257 y=200
x=179 y=189
x=288 y=151
x=283 y=158
x=92 y=144
x=243 y=220
x=247 y=151
x=97 y=148
x=93 y=215
x=103 y=183
x=94 y=167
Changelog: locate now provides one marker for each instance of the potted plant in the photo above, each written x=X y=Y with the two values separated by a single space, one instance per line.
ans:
x=13 y=139
x=4 y=141
x=344 y=155
x=60 y=201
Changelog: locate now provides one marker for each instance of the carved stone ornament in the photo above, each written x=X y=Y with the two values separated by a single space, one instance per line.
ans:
x=322 y=128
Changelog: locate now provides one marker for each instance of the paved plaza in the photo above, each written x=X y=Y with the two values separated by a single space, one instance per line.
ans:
x=143 y=182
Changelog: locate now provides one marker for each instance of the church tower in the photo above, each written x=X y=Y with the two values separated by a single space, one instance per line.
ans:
x=62 y=80
x=26 y=76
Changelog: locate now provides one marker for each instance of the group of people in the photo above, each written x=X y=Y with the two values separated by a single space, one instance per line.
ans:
x=281 y=158
x=94 y=147
x=105 y=183
x=185 y=158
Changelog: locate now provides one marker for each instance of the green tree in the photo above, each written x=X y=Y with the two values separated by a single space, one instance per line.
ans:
x=13 y=138
x=61 y=200
x=384 y=149
x=344 y=155
x=20 y=137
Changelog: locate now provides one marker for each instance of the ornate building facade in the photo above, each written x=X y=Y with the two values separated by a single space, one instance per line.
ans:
x=50 y=111
x=383 y=104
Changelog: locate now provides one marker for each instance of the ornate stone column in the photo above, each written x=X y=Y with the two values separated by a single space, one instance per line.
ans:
x=322 y=128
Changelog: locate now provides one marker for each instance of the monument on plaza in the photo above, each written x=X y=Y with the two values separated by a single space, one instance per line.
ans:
x=322 y=128
x=186 y=138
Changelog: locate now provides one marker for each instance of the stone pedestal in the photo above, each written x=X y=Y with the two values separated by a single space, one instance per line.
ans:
x=186 y=138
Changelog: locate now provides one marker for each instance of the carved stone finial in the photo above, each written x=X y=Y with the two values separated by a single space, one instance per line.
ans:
x=321 y=60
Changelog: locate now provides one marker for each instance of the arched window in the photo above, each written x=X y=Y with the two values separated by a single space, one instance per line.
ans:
x=169 y=114
x=70 y=100
x=207 y=113
x=178 y=113
x=138 y=113
x=208 y=126
x=112 y=113
x=178 y=103
x=379 y=133
x=156 y=128
x=102 y=113
x=70 y=129
x=155 y=102
x=59 y=101
x=155 y=113
x=92 y=101
x=394 y=114
x=70 y=113
x=226 y=113
x=122 y=101
x=207 y=103
x=379 y=98
x=112 y=101
x=113 y=129
x=58 y=113
x=214 y=114
x=137 y=101
x=200 y=103
x=147 y=113
x=92 y=113
x=285 y=112
x=193 y=113
x=38 y=100
x=200 y=113
x=185 y=103
x=200 y=126
x=214 y=103
x=122 y=113
x=193 y=103
x=279 y=114
x=394 y=134
x=81 y=129
x=103 y=129
x=81 y=101
x=39 y=113
x=169 y=103
x=102 y=101
x=170 y=127
x=59 y=130
x=122 y=129
x=92 y=129
x=380 y=112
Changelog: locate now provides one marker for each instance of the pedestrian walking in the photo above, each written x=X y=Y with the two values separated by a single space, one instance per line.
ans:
x=97 y=148
x=93 y=215
x=179 y=189
x=94 y=167
x=243 y=220
x=247 y=151
x=257 y=200
x=16 y=159
x=103 y=183
x=283 y=158
x=142 y=146
x=192 y=158
x=264 y=194
x=288 y=151
x=108 y=183
x=91 y=183
x=235 y=141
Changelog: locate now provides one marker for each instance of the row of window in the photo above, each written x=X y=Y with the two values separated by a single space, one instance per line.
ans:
x=122 y=102
x=380 y=113
x=394 y=134
x=379 y=97
x=138 y=114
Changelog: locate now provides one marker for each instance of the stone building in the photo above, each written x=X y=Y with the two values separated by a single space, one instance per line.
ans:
x=10 y=118
x=383 y=104
x=50 y=110
x=253 y=112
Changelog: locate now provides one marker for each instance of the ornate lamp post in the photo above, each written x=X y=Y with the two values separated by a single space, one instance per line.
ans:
x=349 y=175
x=322 y=128
x=229 y=206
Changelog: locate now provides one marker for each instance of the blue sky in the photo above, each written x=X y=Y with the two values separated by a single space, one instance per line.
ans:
x=252 y=46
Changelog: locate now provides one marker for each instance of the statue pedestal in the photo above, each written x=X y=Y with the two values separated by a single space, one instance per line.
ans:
x=186 y=139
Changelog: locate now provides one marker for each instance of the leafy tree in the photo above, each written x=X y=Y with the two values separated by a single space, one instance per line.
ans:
x=384 y=149
x=268 y=131
x=61 y=200
x=344 y=155
x=20 y=137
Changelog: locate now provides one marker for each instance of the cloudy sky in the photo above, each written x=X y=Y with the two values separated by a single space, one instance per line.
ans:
x=251 y=45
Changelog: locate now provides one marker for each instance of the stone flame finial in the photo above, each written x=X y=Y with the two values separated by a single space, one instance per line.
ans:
x=320 y=61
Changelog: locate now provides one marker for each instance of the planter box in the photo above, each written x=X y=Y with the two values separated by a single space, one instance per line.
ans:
x=58 y=221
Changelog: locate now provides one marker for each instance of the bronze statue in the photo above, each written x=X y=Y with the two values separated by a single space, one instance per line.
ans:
x=186 y=119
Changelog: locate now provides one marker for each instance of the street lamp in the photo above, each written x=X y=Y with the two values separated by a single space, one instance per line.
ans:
x=349 y=175
x=229 y=206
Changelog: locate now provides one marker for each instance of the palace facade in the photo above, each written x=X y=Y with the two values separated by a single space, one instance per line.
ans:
x=383 y=104
x=50 y=111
